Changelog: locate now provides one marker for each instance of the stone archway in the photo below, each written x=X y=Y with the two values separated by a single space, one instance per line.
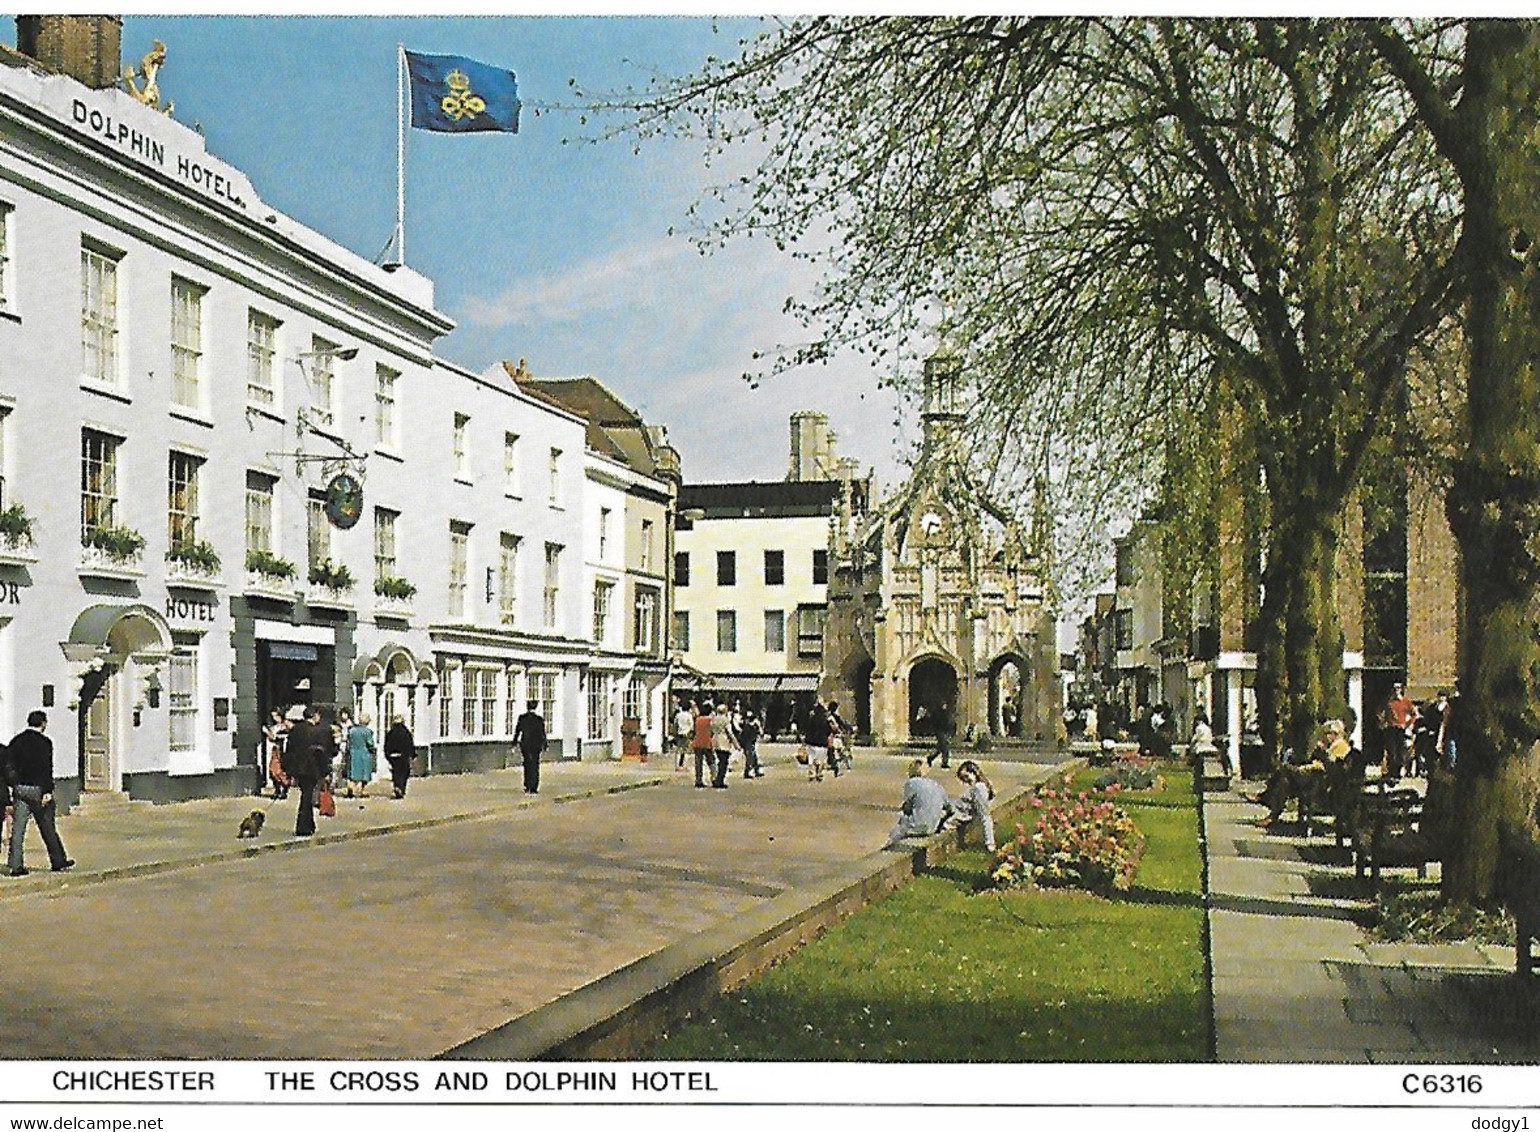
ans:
x=1007 y=685
x=116 y=653
x=932 y=696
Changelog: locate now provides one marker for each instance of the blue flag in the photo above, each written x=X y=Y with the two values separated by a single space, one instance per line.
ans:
x=455 y=95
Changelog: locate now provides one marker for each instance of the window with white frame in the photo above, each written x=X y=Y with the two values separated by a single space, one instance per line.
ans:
x=385 y=543
x=552 y=584
x=603 y=592
x=182 y=500
x=182 y=692
x=599 y=705
x=542 y=689
x=462 y=452
x=385 y=380
x=322 y=371
x=98 y=481
x=448 y=679
x=727 y=630
x=631 y=708
x=604 y=534
x=7 y=283
x=187 y=343
x=775 y=630
x=261 y=351
x=508 y=577
x=511 y=463
x=478 y=707
x=259 y=512
x=555 y=477
x=644 y=622
x=681 y=633
x=644 y=551
x=810 y=630
x=459 y=568
x=318 y=529
x=99 y=315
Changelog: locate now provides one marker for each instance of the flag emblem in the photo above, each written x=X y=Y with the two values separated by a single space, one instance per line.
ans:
x=461 y=101
x=453 y=94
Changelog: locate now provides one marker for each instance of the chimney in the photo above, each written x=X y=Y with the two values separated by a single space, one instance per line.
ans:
x=86 y=48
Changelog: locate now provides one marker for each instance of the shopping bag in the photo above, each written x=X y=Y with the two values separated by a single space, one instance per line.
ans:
x=328 y=804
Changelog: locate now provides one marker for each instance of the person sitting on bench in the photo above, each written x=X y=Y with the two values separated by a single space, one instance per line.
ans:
x=1290 y=781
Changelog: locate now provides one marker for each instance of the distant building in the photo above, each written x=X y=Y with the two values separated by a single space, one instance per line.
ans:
x=940 y=604
x=751 y=584
x=630 y=480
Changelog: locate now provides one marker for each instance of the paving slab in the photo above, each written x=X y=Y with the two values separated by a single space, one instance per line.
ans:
x=1296 y=979
x=408 y=928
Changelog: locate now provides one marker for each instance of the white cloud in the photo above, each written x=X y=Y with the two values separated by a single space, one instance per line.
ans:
x=577 y=293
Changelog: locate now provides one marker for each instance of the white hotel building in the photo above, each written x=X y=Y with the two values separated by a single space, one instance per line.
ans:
x=183 y=373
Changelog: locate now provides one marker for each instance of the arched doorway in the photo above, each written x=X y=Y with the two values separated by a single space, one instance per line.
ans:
x=861 y=684
x=1007 y=677
x=119 y=651
x=932 y=696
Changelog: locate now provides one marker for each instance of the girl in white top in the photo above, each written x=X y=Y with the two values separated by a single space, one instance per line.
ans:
x=973 y=806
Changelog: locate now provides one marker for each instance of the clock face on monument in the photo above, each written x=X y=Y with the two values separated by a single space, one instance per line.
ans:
x=932 y=526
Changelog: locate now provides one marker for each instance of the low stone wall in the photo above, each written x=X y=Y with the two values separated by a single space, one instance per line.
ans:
x=619 y=1016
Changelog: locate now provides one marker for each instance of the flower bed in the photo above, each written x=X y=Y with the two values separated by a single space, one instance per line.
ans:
x=1079 y=840
x=1131 y=772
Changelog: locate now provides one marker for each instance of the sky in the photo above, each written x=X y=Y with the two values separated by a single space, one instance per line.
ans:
x=541 y=245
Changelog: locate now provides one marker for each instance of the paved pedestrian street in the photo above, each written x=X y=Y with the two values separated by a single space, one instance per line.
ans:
x=406 y=943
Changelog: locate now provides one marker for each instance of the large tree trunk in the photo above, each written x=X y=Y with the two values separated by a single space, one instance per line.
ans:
x=1494 y=505
x=1299 y=657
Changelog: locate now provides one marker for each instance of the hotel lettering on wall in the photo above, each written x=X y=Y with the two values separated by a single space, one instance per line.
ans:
x=150 y=150
x=188 y=609
x=10 y=593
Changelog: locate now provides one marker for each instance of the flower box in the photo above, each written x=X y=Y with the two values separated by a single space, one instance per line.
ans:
x=17 y=550
x=188 y=575
x=114 y=563
x=274 y=587
x=329 y=597
x=393 y=607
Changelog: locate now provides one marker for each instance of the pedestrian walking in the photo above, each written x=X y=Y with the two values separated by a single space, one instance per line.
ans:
x=30 y=763
x=529 y=735
x=399 y=751
x=944 y=725
x=1397 y=720
x=684 y=727
x=700 y=743
x=307 y=758
x=815 y=735
x=840 y=739
x=275 y=733
x=361 y=761
x=748 y=739
x=723 y=744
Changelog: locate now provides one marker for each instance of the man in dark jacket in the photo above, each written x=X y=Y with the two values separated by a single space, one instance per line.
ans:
x=306 y=757
x=529 y=734
x=31 y=761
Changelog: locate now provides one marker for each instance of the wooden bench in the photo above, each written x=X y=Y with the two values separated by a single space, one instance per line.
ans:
x=1336 y=793
x=1392 y=830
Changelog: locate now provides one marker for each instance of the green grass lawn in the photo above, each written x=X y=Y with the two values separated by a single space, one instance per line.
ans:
x=939 y=971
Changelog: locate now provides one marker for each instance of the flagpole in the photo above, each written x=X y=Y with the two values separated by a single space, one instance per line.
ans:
x=401 y=154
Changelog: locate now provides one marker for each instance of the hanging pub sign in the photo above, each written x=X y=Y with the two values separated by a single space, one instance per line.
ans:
x=344 y=500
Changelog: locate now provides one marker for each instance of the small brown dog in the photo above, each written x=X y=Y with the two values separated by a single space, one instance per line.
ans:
x=251 y=824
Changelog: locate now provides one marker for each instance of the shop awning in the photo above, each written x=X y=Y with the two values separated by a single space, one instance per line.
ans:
x=802 y=682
